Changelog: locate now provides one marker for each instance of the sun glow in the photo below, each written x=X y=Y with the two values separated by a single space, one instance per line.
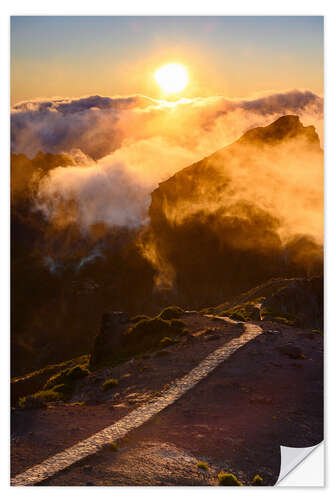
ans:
x=172 y=77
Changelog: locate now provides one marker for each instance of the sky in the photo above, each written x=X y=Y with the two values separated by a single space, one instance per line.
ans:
x=228 y=56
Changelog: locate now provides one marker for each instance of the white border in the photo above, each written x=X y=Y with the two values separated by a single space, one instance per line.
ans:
x=302 y=473
x=141 y=7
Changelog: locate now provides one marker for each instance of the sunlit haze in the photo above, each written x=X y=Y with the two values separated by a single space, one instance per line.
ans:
x=172 y=77
x=229 y=56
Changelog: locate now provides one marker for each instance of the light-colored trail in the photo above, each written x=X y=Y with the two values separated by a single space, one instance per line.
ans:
x=137 y=417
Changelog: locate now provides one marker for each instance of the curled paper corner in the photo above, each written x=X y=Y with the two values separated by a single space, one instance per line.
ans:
x=292 y=457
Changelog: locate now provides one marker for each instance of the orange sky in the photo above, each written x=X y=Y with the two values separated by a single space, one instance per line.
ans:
x=231 y=56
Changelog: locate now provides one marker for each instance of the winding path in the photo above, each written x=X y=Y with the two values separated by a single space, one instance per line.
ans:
x=137 y=417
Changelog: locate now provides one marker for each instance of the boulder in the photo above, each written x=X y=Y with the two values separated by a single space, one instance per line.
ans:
x=108 y=340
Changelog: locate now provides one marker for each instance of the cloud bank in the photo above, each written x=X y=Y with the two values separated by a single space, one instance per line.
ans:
x=99 y=125
x=129 y=144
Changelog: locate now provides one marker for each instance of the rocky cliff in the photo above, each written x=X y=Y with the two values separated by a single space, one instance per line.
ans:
x=249 y=212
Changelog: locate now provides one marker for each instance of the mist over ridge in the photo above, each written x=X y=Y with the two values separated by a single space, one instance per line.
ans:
x=162 y=220
x=131 y=144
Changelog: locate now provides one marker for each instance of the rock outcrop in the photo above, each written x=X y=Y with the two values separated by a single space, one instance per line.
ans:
x=216 y=225
x=108 y=340
x=301 y=300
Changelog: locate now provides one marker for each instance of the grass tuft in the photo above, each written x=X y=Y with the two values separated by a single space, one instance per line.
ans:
x=244 y=312
x=257 y=480
x=147 y=334
x=226 y=479
x=171 y=312
x=113 y=447
x=39 y=399
x=202 y=465
x=139 y=317
x=268 y=313
x=68 y=376
x=109 y=383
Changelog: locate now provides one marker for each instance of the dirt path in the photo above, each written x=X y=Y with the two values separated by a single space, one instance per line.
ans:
x=38 y=434
x=139 y=416
x=235 y=420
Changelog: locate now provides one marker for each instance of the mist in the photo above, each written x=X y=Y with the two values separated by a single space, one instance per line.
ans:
x=123 y=148
x=250 y=211
x=169 y=203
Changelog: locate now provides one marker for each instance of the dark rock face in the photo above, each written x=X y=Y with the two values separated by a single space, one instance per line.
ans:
x=213 y=237
x=109 y=338
x=302 y=299
x=285 y=128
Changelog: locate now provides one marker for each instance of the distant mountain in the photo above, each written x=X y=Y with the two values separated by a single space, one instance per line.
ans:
x=214 y=228
x=187 y=184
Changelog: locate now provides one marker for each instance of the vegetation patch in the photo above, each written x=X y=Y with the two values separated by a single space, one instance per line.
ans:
x=171 y=312
x=67 y=376
x=109 y=383
x=63 y=383
x=166 y=341
x=35 y=381
x=40 y=399
x=268 y=313
x=208 y=310
x=244 y=312
x=178 y=326
x=139 y=317
x=147 y=334
x=113 y=447
x=202 y=465
x=226 y=479
x=257 y=480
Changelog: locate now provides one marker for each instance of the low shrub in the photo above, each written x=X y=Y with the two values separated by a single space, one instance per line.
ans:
x=148 y=333
x=257 y=480
x=244 y=312
x=139 y=317
x=63 y=383
x=171 y=312
x=39 y=399
x=113 y=447
x=67 y=376
x=209 y=310
x=268 y=313
x=166 y=341
x=177 y=326
x=202 y=465
x=109 y=383
x=226 y=479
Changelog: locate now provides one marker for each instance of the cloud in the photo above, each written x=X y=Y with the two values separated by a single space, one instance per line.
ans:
x=60 y=125
x=115 y=190
x=249 y=212
x=100 y=125
x=125 y=146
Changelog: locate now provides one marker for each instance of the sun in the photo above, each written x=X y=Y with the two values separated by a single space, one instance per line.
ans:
x=172 y=77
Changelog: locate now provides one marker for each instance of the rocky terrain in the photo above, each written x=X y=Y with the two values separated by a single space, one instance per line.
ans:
x=267 y=394
x=215 y=226
x=215 y=231
x=228 y=268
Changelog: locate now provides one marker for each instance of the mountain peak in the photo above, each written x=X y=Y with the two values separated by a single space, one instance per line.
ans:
x=284 y=128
